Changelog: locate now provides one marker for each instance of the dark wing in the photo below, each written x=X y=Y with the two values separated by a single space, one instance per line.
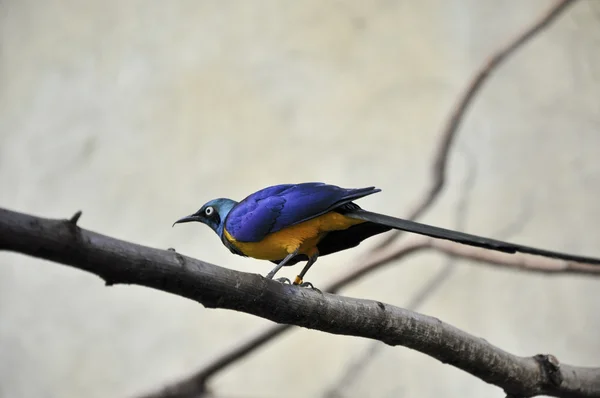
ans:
x=460 y=237
x=336 y=241
x=274 y=208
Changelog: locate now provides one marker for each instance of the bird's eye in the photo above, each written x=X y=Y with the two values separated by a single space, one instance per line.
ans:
x=209 y=211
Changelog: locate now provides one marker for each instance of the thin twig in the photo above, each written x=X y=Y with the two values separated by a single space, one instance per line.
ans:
x=521 y=262
x=457 y=115
x=196 y=385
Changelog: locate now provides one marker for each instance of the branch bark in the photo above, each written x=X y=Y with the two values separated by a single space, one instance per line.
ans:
x=117 y=261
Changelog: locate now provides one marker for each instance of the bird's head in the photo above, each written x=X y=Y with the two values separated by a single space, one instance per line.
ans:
x=212 y=213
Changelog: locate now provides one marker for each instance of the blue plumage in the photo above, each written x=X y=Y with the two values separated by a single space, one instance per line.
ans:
x=274 y=208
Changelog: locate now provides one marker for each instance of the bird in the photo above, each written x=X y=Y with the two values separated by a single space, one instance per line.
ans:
x=289 y=223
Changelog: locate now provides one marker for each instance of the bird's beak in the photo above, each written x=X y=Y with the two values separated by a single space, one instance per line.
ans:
x=191 y=218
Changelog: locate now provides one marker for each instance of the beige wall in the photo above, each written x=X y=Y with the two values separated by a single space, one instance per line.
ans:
x=137 y=112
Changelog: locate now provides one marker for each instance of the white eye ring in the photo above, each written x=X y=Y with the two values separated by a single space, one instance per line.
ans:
x=209 y=211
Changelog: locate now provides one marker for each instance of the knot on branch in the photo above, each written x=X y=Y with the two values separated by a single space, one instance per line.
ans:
x=178 y=256
x=550 y=366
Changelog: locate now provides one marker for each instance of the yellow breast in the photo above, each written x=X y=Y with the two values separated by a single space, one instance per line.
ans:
x=304 y=237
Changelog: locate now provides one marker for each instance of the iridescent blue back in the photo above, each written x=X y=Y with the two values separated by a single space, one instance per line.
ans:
x=274 y=208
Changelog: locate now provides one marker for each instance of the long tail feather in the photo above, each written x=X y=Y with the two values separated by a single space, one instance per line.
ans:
x=461 y=237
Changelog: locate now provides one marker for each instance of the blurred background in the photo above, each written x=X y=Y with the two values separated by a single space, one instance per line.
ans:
x=138 y=112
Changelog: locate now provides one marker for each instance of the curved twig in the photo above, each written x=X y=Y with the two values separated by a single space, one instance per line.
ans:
x=516 y=261
x=448 y=135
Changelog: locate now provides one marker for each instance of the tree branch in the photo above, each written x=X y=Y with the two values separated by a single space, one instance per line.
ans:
x=520 y=262
x=448 y=135
x=194 y=385
x=117 y=261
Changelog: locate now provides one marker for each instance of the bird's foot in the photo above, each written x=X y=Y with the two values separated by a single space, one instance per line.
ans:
x=283 y=280
x=309 y=285
x=299 y=282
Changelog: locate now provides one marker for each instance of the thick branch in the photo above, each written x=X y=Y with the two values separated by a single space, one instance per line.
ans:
x=117 y=261
x=195 y=384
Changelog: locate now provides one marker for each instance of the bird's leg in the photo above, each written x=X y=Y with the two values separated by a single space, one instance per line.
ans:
x=287 y=258
x=299 y=279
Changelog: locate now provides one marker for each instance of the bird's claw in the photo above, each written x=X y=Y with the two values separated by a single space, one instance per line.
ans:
x=309 y=285
x=300 y=282
x=297 y=282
